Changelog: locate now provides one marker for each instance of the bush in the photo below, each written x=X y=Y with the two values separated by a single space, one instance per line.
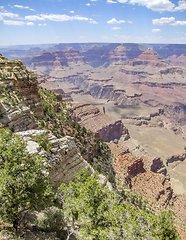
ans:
x=102 y=214
x=43 y=142
x=23 y=184
x=52 y=220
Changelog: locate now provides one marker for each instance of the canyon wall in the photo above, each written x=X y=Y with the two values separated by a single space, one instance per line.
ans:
x=63 y=159
x=102 y=125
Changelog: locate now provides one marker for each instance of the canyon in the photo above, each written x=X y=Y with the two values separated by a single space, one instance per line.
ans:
x=131 y=85
x=130 y=95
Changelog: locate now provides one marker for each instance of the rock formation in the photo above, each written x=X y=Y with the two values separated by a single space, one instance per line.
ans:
x=20 y=100
x=101 y=124
x=178 y=60
x=149 y=58
x=63 y=159
x=20 y=107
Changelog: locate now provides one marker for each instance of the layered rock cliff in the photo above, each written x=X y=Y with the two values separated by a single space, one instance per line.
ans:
x=23 y=107
x=56 y=59
x=149 y=58
x=103 y=126
x=63 y=158
x=20 y=100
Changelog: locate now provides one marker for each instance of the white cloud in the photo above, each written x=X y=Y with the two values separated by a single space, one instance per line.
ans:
x=92 y=21
x=88 y=4
x=33 y=18
x=63 y=17
x=115 y=28
x=181 y=5
x=114 y=21
x=168 y=21
x=130 y=22
x=156 y=30
x=110 y=1
x=40 y=24
x=71 y=11
x=93 y=0
x=155 y=5
x=58 y=18
x=1 y=7
x=9 y=14
x=23 y=7
x=16 y=23
x=164 y=21
x=30 y=24
x=179 y=23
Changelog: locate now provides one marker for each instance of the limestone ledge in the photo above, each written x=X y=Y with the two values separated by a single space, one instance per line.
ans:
x=17 y=118
x=63 y=159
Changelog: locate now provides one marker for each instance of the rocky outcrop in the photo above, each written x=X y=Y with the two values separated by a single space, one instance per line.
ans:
x=149 y=58
x=17 y=118
x=16 y=77
x=102 y=125
x=56 y=59
x=112 y=131
x=20 y=100
x=62 y=161
x=63 y=158
x=157 y=164
x=72 y=55
x=96 y=56
x=129 y=166
x=178 y=60
x=175 y=158
x=170 y=49
x=113 y=52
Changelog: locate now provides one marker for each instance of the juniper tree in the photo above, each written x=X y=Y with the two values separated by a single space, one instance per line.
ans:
x=23 y=184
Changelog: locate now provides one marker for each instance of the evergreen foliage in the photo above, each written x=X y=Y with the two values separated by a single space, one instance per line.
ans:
x=23 y=185
x=101 y=214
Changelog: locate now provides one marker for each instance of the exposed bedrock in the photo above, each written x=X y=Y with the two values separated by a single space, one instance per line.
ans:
x=103 y=126
x=112 y=131
x=175 y=158
x=63 y=159
x=19 y=106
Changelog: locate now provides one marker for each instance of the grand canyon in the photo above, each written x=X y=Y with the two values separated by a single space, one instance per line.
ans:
x=133 y=96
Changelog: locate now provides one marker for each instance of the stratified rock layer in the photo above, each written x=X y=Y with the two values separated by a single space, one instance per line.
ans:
x=103 y=126
x=63 y=158
x=149 y=58
x=20 y=99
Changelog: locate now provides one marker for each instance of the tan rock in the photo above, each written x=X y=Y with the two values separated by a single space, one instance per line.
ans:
x=63 y=159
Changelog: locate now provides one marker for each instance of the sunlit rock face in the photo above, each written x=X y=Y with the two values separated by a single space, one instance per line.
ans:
x=20 y=100
x=103 y=126
x=63 y=158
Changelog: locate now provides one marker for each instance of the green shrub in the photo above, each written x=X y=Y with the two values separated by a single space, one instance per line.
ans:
x=52 y=220
x=43 y=142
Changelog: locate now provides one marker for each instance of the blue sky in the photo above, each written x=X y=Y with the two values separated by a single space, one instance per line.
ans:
x=66 y=21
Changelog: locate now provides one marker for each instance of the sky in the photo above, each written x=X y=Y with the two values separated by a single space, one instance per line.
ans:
x=25 y=22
